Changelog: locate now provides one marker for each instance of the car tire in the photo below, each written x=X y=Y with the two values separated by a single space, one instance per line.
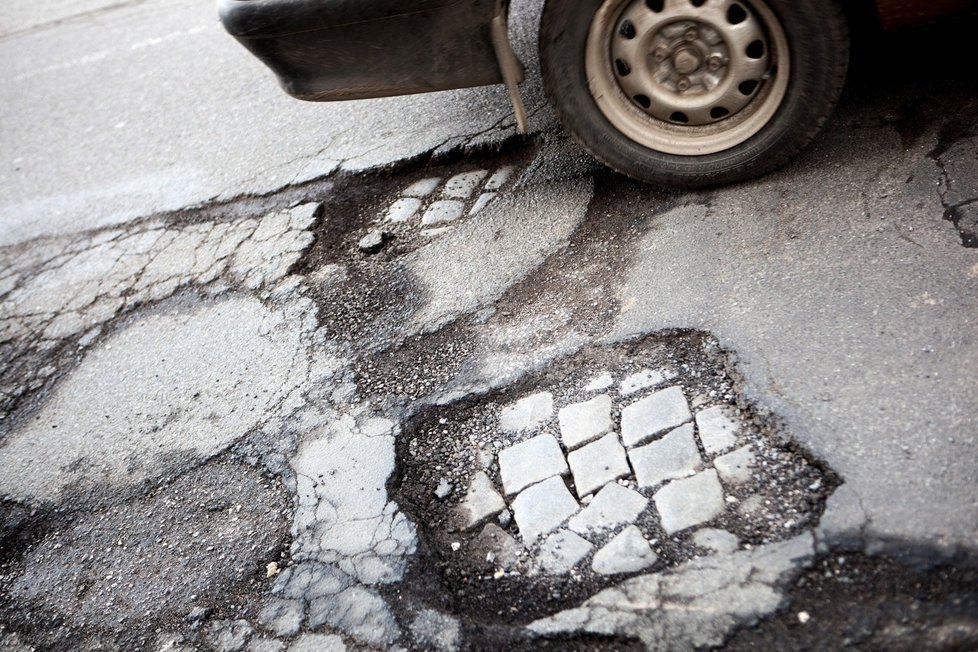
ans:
x=693 y=93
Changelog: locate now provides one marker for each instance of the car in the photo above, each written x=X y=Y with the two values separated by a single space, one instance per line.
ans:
x=686 y=93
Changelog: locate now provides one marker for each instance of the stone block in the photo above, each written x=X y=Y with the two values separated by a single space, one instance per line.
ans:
x=628 y=552
x=562 y=551
x=528 y=413
x=674 y=456
x=581 y=423
x=688 y=502
x=442 y=211
x=734 y=467
x=611 y=507
x=647 y=417
x=718 y=429
x=543 y=508
x=481 y=502
x=597 y=464
x=529 y=462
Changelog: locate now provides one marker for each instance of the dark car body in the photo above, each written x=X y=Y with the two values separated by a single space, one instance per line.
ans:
x=324 y=50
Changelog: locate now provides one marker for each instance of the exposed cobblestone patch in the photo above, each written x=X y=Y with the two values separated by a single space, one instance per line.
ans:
x=627 y=513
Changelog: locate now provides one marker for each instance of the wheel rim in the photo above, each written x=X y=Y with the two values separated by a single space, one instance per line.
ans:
x=687 y=77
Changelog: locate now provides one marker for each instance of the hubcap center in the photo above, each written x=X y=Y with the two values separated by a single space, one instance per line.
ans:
x=686 y=60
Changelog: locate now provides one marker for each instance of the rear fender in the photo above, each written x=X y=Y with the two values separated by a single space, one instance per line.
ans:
x=323 y=50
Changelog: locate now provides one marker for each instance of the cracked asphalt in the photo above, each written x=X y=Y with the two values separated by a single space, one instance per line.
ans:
x=226 y=425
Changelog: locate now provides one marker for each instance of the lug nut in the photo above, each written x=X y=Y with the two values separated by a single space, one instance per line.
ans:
x=714 y=62
x=683 y=84
x=660 y=54
x=692 y=34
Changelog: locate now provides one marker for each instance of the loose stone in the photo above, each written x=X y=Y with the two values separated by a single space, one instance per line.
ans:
x=482 y=202
x=562 y=551
x=481 y=502
x=581 y=423
x=734 y=468
x=688 y=502
x=442 y=211
x=403 y=209
x=644 y=379
x=613 y=506
x=530 y=461
x=461 y=186
x=663 y=410
x=372 y=242
x=719 y=541
x=717 y=428
x=673 y=456
x=597 y=464
x=444 y=488
x=499 y=178
x=422 y=188
x=527 y=413
x=542 y=508
x=628 y=552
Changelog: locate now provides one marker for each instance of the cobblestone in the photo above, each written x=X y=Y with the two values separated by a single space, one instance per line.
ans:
x=542 y=508
x=597 y=464
x=403 y=209
x=628 y=552
x=481 y=502
x=528 y=413
x=647 y=417
x=644 y=379
x=422 y=188
x=442 y=211
x=611 y=507
x=674 y=456
x=461 y=186
x=562 y=551
x=717 y=429
x=735 y=467
x=530 y=461
x=714 y=540
x=581 y=423
x=688 y=502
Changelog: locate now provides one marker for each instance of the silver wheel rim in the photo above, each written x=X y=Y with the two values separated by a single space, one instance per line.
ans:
x=687 y=77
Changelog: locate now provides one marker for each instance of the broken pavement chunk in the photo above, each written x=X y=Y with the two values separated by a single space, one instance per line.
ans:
x=481 y=502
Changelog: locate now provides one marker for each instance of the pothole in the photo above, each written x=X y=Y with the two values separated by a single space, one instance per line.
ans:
x=620 y=461
x=372 y=221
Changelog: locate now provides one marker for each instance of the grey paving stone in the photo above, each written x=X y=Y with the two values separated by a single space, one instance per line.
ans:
x=543 y=508
x=481 y=502
x=496 y=544
x=718 y=428
x=403 y=209
x=597 y=464
x=611 y=507
x=372 y=242
x=647 y=417
x=674 y=456
x=529 y=462
x=482 y=202
x=442 y=211
x=688 y=502
x=628 y=552
x=421 y=188
x=499 y=178
x=318 y=643
x=644 y=379
x=581 y=423
x=719 y=541
x=562 y=551
x=734 y=467
x=599 y=382
x=527 y=413
x=461 y=186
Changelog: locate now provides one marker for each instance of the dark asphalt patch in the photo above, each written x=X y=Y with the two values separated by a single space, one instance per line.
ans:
x=199 y=543
x=857 y=602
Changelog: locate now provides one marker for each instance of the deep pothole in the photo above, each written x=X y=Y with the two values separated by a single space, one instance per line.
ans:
x=619 y=461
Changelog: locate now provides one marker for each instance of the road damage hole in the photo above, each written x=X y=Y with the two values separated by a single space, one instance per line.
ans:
x=371 y=221
x=618 y=461
x=196 y=546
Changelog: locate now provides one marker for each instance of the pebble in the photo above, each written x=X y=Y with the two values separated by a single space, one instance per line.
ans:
x=372 y=243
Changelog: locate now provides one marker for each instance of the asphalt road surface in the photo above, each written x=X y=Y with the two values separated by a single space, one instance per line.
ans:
x=383 y=374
